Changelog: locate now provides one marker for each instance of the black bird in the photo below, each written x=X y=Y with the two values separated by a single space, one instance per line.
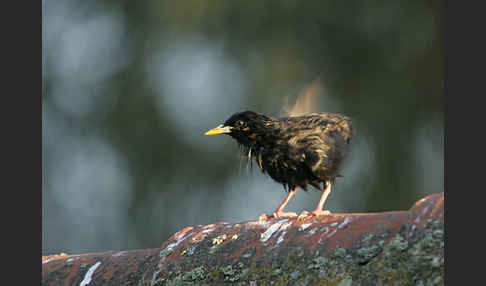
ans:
x=295 y=151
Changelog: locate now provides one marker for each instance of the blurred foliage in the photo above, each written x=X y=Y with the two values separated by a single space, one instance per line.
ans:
x=130 y=87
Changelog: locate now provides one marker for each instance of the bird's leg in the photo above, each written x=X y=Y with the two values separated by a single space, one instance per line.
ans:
x=279 y=211
x=319 y=211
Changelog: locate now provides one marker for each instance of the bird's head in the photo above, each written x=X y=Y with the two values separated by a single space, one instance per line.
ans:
x=246 y=127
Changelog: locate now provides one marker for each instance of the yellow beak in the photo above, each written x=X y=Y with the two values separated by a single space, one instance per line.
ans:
x=219 y=130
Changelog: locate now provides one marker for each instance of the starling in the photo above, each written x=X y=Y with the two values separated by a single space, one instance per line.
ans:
x=295 y=151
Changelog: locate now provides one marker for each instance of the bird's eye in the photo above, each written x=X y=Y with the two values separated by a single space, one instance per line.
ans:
x=240 y=123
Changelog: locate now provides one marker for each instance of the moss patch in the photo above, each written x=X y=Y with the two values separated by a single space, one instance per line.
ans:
x=402 y=260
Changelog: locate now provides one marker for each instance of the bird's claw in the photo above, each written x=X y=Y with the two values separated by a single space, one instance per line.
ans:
x=303 y=215
x=264 y=217
x=316 y=213
x=277 y=215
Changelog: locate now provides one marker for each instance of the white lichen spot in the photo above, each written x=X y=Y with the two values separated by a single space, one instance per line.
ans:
x=312 y=231
x=173 y=245
x=281 y=237
x=332 y=233
x=333 y=224
x=45 y=261
x=324 y=231
x=120 y=253
x=345 y=222
x=235 y=236
x=417 y=219
x=435 y=262
x=304 y=226
x=89 y=274
x=273 y=228
x=285 y=225
x=414 y=224
x=283 y=228
x=425 y=210
x=209 y=230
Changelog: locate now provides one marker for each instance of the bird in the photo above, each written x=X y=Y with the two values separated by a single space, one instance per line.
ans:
x=295 y=151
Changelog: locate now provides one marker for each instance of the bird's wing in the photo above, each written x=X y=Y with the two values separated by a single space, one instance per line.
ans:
x=322 y=142
x=324 y=125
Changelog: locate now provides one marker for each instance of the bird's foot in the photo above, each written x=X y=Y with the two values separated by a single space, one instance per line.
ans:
x=277 y=215
x=316 y=213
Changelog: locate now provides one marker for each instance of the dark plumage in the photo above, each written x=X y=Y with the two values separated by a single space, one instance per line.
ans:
x=294 y=151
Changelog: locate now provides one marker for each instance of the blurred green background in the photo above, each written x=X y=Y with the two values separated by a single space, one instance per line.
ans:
x=129 y=88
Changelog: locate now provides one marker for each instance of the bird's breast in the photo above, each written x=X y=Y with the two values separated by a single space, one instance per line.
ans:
x=278 y=162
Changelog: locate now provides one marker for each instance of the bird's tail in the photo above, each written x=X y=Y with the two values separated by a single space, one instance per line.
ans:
x=346 y=128
x=306 y=101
